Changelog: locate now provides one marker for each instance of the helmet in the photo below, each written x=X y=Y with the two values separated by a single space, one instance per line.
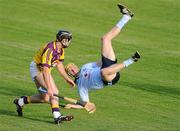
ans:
x=71 y=66
x=63 y=34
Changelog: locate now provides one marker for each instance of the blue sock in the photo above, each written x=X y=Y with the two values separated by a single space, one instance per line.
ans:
x=123 y=21
x=128 y=62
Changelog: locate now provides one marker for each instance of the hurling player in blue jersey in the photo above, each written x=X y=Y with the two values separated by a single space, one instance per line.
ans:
x=96 y=75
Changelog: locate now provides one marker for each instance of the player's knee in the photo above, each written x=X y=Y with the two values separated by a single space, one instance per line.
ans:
x=104 y=71
x=106 y=74
x=106 y=38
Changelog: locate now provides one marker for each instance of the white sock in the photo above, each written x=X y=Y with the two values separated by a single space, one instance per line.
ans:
x=21 y=101
x=123 y=21
x=56 y=114
x=128 y=62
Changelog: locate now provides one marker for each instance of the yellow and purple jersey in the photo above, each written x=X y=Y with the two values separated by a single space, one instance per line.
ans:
x=49 y=55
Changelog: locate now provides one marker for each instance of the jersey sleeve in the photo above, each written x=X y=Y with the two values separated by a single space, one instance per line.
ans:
x=47 y=57
x=83 y=93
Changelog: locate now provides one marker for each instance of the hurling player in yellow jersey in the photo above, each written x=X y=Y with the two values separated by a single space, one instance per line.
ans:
x=49 y=56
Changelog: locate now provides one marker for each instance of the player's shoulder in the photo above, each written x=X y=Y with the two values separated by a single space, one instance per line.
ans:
x=85 y=67
x=89 y=65
x=49 y=45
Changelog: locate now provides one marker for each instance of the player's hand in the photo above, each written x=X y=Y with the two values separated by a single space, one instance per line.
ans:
x=50 y=92
x=73 y=106
x=71 y=82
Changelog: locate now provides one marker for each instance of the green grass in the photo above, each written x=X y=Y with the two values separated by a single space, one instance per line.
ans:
x=146 y=98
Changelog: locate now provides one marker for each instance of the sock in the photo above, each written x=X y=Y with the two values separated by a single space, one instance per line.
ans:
x=21 y=101
x=128 y=62
x=24 y=100
x=123 y=21
x=56 y=112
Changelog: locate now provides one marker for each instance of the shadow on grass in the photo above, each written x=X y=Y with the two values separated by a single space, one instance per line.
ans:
x=14 y=114
x=39 y=120
x=163 y=90
x=7 y=113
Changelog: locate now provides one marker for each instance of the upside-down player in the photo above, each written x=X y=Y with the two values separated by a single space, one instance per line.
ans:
x=96 y=75
x=49 y=56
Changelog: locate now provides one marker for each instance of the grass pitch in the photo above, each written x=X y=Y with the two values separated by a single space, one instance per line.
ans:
x=146 y=98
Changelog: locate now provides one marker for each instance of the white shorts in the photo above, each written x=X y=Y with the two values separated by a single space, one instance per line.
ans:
x=33 y=70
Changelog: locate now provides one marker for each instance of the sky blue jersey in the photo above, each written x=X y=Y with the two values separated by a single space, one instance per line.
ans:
x=89 y=78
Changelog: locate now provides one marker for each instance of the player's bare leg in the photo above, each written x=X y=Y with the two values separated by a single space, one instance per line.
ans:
x=107 y=49
x=118 y=67
x=43 y=97
x=54 y=101
x=37 y=98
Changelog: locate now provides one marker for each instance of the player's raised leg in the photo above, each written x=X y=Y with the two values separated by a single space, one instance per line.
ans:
x=106 y=48
x=119 y=66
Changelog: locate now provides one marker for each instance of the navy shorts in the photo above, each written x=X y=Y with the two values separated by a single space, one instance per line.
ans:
x=106 y=63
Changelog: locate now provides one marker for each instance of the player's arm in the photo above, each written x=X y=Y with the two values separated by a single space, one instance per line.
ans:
x=61 y=70
x=90 y=107
x=73 y=106
x=46 y=63
x=46 y=75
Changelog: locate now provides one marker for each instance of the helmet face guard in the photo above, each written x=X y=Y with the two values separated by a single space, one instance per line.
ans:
x=65 y=42
x=71 y=69
x=64 y=37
